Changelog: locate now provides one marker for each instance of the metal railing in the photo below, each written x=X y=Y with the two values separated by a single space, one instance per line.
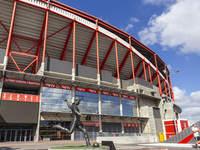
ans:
x=112 y=134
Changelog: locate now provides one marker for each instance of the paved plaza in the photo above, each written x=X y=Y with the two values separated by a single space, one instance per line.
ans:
x=48 y=144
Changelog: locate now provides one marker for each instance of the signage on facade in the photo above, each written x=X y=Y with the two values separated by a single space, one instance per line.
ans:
x=128 y=97
x=96 y=124
x=22 y=81
x=20 y=97
x=66 y=87
x=131 y=125
x=105 y=93
x=50 y=85
x=115 y=94
x=86 y=90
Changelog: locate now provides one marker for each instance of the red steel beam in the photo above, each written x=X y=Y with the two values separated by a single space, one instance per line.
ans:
x=132 y=64
x=97 y=46
x=4 y=27
x=11 y=28
x=74 y=42
x=154 y=76
x=136 y=69
x=142 y=72
x=165 y=88
x=150 y=79
x=158 y=76
x=39 y=44
x=123 y=63
x=116 y=54
x=62 y=57
x=45 y=33
x=88 y=49
x=172 y=93
x=4 y=40
x=106 y=57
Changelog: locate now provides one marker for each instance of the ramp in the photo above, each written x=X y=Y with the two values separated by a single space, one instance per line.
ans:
x=183 y=137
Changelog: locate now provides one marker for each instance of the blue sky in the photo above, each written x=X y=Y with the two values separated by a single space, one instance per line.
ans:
x=171 y=28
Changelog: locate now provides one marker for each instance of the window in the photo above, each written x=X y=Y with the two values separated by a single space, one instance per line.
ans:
x=89 y=102
x=52 y=100
x=128 y=105
x=110 y=105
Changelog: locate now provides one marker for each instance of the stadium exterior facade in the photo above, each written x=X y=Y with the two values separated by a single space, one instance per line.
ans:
x=50 y=51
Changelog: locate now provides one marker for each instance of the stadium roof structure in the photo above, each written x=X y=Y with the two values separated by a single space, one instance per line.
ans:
x=31 y=30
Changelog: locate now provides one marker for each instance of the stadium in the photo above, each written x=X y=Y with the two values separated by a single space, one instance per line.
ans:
x=50 y=51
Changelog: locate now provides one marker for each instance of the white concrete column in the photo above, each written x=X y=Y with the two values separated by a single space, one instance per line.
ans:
x=98 y=79
x=41 y=70
x=138 y=107
x=120 y=103
x=73 y=74
x=119 y=83
x=73 y=94
x=5 y=62
x=122 y=126
x=100 y=111
x=37 y=132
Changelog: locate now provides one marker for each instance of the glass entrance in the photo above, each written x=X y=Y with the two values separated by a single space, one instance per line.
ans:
x=16 y=135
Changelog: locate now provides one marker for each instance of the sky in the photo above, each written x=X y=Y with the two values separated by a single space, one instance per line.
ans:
x=171 y=28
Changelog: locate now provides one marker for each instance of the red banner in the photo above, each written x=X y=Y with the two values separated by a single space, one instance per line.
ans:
x=22 y=81
x=86 y=90
x=131 y=125
x=105 y=93
x=128 y=97
x=85 y=123
x=66 y=87
x=20 y=97
x=51 y=85
x=115 y=94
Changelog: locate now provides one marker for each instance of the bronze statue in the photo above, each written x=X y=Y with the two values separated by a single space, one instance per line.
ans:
x=76 y=122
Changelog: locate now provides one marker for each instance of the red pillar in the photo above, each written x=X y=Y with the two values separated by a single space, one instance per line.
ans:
x=149 y=73
x=45 y=33
x=132 y=64
x=116 y=54
x=11 y=29
x=97 y=46
x=145 y=75
x=158 y=76
x=74 y=41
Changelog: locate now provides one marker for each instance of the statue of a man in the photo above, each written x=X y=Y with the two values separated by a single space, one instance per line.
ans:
x=76 y=122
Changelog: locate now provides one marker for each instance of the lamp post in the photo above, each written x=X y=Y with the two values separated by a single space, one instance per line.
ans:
x=174 y=118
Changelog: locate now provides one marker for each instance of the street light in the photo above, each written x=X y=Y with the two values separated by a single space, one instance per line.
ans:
x=165 y=72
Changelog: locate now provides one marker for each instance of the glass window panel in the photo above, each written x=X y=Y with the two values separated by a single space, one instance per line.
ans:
x=89 y=102
x=52 y=99
x=110 y=105
x=128 y=105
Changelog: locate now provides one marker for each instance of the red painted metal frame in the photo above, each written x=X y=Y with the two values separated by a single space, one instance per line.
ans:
x=144 y=70
x=97 y=46
x=66 y=43
x=158 y=76
x=154 y=76
x=160 y=82
x=74 y=42
x=23 y=54
x=45 y=33
x=136 y=69
x=4 y=40
x=106 y=57
x=88 y=49
x=11 y=28
x=165 y=88
x=132 y=64
x=150 y=79
x=116 y=54
x=123 y=63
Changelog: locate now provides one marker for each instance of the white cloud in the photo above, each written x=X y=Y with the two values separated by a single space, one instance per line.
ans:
x=178 y=26
x=158 y=2
x=130 y=24
x=189 y=104
x=128 y=27
x=133 y=19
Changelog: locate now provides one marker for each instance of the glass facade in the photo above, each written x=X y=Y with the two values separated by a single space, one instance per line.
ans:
x=128 y=105
x=110 y=105
x=89 y=102
x=52 y=100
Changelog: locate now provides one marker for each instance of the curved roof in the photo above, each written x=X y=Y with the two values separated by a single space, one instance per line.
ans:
x=28 y=35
